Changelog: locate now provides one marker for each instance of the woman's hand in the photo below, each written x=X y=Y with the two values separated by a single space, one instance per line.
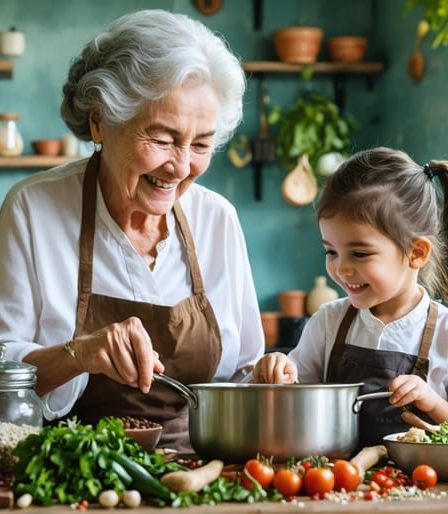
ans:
x=275 y=368
x=408 y=389
x=121 y=351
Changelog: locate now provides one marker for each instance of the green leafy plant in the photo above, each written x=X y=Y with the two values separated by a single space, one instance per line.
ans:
x=435 y=14
x=312 y=126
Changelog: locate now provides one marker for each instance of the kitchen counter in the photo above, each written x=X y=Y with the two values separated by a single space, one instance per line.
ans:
x=304 y=505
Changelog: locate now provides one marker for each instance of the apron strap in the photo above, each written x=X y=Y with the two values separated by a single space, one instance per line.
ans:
x=196 y=277
x=350 y=315
x=421 y=363
x=88 y=225
x=86 y=239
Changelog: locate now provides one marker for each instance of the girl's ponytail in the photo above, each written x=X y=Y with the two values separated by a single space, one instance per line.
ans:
x=440 y=169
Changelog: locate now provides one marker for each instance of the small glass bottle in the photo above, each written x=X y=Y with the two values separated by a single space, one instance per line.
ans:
x=11 y=142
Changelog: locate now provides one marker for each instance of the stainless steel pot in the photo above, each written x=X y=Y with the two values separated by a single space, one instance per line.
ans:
x=234 y=422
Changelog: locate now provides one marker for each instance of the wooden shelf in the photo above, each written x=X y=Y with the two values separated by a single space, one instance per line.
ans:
x=6 y=68
x=322 y=68
x=35 y=161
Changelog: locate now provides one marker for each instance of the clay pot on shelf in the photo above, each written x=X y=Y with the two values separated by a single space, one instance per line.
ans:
x=347 y=48
x=47 y=146
x=292 y=303
x=269 y=322
x=321 y=293
x=298 y=45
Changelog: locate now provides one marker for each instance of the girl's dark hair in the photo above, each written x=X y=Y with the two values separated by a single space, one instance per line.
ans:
x=386 y=189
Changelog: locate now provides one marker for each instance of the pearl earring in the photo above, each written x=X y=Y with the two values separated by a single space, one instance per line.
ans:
x=98 y=147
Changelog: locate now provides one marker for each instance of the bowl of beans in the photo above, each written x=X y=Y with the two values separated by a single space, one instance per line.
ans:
x=144 y=431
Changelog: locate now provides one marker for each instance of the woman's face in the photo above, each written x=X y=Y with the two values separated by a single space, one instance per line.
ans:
x=148 y=162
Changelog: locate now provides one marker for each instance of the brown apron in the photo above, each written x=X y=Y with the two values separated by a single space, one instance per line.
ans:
x=377 y=368
x=186 y=336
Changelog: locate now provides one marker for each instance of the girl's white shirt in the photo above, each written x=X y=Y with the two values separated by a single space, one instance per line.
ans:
x=39 y=258
x=312 y=353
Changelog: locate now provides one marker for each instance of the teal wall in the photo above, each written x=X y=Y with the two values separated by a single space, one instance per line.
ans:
x=283 y=241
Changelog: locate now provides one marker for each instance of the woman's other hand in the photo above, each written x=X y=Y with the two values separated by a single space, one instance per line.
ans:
x=122 y=351
x=275 y=368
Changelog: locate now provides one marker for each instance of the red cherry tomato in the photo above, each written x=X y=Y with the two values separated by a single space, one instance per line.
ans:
x=379 y=477
x=318 y=481
x=287 y=482
x=424 y=476
x=346 y=476
x=261 y=471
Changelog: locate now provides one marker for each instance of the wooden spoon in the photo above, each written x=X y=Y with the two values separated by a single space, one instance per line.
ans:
x=413 y=420
x=300 y=186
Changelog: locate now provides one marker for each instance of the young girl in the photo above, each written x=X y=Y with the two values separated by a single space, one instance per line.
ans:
x=379 y=220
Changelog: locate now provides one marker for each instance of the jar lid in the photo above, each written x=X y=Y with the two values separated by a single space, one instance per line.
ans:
x=9 y=116
x=15 y=375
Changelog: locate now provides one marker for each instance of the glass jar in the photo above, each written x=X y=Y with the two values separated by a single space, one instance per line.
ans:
x=20 y=407
x=19 y=402
x=11 y=142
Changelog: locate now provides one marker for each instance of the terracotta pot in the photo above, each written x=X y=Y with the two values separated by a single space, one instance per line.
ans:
x=347 y=48
x=269 y=321
x=292 y=303
x=47 y=146
x=300 y=45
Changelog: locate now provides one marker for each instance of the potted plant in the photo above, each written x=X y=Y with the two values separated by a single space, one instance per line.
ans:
x=435 y=18
x=313 y=126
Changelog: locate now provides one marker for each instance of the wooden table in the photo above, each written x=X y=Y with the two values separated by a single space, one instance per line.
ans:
x=304 y=505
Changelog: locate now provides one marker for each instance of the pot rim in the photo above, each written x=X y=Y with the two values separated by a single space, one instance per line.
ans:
x=252 y=386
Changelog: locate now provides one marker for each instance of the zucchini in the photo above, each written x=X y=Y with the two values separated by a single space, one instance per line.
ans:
x=121 y=473
x=142 y=480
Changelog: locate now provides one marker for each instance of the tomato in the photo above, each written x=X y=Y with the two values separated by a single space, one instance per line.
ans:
x=379 y=477
x=346 y=476
x=287 y=482
x=424 y=476
x=318 y=481
x=260 y=470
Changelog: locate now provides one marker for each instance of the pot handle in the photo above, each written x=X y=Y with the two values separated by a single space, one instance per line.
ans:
x=182 y=389
x=356 y=407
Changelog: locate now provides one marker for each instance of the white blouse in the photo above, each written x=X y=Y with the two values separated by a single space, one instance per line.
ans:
x=39 y=237
x=312 y=353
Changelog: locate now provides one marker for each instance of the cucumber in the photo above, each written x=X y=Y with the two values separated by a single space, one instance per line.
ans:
x=142 y=480
x=122 y=474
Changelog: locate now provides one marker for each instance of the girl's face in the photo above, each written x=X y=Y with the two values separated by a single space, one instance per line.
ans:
x=148 y=162
x=370 y=268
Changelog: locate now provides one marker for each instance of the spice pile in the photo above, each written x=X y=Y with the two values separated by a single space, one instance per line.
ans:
x=10 y=435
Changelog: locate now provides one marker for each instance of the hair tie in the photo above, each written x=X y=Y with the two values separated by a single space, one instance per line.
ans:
x=428 y=171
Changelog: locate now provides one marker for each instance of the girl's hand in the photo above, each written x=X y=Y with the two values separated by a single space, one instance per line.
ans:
x=275 y=368
x=412 y=389
x=121 y=351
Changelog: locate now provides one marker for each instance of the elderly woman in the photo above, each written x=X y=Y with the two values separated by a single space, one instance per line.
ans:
x=119 y=266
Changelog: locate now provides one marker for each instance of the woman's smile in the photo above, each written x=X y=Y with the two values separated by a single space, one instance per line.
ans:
x=154 y=181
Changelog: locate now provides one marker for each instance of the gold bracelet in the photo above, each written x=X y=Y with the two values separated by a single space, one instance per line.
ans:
x=68 y=347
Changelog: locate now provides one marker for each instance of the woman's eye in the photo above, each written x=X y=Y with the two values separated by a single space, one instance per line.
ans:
x=162 y=142
x=201 y=147
x=360 y=255
x=330 y=253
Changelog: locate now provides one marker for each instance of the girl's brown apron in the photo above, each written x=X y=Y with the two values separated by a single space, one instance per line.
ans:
x=377 y=368
x=186 y=336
